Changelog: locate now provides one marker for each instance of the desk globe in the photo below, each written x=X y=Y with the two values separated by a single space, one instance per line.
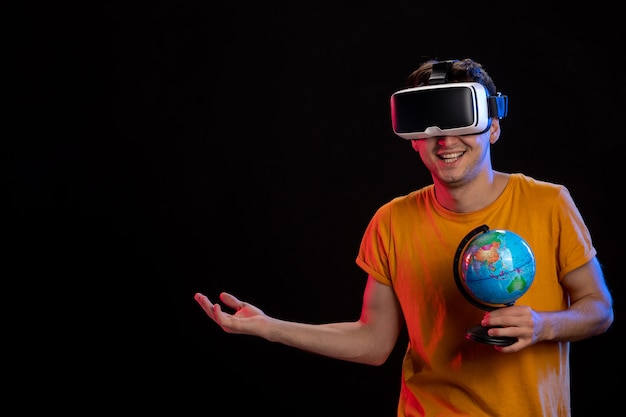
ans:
x=492 y=269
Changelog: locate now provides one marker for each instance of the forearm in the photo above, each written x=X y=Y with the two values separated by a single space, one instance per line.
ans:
x=349 y=341
x=585 y=318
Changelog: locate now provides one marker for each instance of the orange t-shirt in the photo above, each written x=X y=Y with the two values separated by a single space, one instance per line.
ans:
x=410 y=244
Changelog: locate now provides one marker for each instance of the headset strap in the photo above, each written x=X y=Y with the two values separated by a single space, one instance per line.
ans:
x=439 y=73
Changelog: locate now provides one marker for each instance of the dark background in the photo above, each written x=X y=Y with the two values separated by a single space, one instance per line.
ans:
x=158 y=149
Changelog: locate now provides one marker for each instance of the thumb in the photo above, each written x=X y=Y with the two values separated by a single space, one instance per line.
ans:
x=231 y=301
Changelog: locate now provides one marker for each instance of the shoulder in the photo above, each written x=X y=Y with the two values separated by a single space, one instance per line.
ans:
x=526 y=182
x=406 y=206
x=411 y=199
x=540 y=192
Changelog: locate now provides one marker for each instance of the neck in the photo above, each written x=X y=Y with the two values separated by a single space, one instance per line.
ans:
x=473 y=195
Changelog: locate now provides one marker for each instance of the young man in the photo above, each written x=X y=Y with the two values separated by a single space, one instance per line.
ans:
x=408 y=251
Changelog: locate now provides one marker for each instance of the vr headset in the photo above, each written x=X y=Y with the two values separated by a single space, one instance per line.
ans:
x=444 y=109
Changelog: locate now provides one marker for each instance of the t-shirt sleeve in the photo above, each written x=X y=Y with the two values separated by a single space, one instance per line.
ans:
x=373 y=256
x=575 y=244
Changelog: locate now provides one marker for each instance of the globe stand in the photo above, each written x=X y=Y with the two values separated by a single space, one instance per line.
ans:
x=478 y=333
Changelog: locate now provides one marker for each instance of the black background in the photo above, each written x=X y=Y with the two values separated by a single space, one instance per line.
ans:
x=157 y=149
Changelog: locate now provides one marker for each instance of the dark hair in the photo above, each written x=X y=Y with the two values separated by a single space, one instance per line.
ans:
x=464 y=70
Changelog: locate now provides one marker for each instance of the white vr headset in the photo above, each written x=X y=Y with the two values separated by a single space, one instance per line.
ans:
x=450 y=109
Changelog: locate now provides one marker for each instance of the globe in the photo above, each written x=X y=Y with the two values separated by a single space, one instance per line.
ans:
x=495 y=267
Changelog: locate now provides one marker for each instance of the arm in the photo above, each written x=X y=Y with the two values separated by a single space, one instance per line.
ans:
x=368 y=340
x=590 y=313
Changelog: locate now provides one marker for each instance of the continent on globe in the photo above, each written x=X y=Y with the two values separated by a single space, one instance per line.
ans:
x=489 y=253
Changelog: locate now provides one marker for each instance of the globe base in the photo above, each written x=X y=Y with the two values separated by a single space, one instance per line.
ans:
x=479 y=334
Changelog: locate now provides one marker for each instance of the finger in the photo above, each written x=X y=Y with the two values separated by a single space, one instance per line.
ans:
x=220 y=317
x=508 y=331
x=205 y=303
x=509 y=317
x=202 y=300
x=231 y=301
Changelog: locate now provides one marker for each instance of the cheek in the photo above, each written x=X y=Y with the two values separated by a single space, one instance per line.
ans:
x=424 y=156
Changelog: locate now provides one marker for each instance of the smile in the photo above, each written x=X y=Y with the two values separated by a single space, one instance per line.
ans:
x=451 y=157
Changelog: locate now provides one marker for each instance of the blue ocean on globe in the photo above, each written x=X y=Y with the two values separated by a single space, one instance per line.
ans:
x=497 y=267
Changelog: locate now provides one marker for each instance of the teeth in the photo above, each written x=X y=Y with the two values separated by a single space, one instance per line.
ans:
x=451 y=157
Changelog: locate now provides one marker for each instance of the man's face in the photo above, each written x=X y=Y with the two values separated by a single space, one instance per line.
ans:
x=456 y=160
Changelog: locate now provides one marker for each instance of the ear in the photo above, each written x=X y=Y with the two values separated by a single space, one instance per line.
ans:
x=494 y=130
x=414 y=144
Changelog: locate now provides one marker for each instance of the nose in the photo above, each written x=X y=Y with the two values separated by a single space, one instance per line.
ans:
x=445 y=140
